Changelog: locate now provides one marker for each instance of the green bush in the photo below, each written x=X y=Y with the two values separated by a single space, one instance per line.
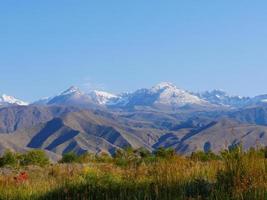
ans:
x=70 y=157
x=242 y=174
x=165 y=153
x=8 y=159
x=144 y=153
x=204 y=156
x=34 y=157
x=263 y=152
x=127 y=157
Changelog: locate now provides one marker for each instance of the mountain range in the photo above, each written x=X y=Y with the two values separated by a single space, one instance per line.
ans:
x=163 y=96
x=161 y=116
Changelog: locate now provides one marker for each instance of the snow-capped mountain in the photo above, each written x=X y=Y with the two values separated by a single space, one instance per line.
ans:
x=72 y=97
x=73 y=90
x=6 y=100
x=103 y=98
x=161 y=95
x=220 y=97
x=169 y=94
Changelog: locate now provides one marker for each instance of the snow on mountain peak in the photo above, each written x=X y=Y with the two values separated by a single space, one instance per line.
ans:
x=220 y=97
x=164 y=85
x=169 y=94
x=5 y=99
x=71 y=90
x=102 y=97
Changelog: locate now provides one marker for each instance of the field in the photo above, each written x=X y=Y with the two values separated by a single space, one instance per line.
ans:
x=136 y=174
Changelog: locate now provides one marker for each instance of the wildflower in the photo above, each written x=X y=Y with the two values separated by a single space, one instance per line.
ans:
x=22 y=177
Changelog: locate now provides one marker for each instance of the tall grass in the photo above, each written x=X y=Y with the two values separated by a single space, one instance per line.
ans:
x=236 y=175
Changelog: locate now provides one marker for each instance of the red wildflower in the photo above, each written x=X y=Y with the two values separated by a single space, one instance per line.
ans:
x=22 y=177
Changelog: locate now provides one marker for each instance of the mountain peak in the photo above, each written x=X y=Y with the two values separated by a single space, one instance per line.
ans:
x=218 y=91
x=102 y=97
x=220 y=97
x=104 y=93
x=6 y=99
x=164 y=85
x=72 y=90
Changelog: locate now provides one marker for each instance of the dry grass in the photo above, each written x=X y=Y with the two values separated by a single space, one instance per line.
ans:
x=238 y=176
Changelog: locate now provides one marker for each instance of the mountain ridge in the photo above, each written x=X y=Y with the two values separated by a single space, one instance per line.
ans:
x=164 y=94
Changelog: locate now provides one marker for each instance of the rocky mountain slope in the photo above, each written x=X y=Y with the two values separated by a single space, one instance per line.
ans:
x=59 y=129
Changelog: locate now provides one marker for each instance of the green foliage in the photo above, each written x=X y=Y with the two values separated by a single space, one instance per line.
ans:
x=86 y=158
x=144 y=153
x=242 y=173
x=204 y=156
x=9 y=159
x=104 y=157
x=127 y=157
x=70 y=157
x=234 y=168
x=263 y=151
x=198 y=187
x=165 y=153
x=34 y=157
x=237 y=175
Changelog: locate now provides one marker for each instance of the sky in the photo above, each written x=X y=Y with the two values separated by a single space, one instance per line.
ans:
x=122 y=45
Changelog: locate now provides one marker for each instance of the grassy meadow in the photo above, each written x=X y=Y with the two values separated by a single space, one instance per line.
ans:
x=135 y=174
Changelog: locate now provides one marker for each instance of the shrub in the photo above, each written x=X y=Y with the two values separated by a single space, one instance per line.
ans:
x=34 y=157
x=8 y=159
x=238 y=175
x=127 y=157
x=204 y=156
x=263 y=152
x=86 y=158
x=243 y=172
x=104 y=157
x=165 y=153
x=70 y=157
x=144 y=153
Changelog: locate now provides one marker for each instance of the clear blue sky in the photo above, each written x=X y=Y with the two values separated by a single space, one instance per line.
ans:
x=122 y=45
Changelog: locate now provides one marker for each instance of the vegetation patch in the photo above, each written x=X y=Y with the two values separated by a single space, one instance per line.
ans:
x=136 y=174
